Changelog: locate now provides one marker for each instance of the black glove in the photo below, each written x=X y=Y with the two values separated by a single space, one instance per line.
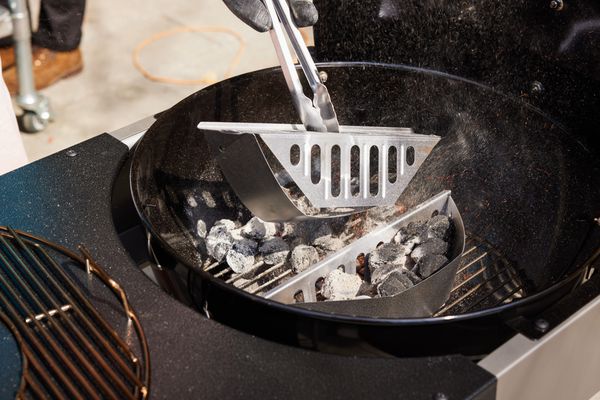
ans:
x=255 y=14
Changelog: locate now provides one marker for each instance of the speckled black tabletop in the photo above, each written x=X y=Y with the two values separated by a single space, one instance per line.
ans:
x=67 y=199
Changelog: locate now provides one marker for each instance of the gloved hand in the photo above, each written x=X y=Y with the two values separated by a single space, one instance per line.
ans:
x=255 y=14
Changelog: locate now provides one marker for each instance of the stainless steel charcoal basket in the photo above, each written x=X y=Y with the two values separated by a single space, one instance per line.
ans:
x=421 y=300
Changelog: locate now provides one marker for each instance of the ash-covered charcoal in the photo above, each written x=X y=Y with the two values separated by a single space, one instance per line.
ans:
x=303 y=204
x=399 y=237
x=240 y=257
x=388 y=253
x=220 y=239
x=274 y=250
x=290 y=230
x=378 y=216
x=339 y=285
x=258 y=229
x=402 y=237
x=218 y=246
x=312 y=231
x=439 y=227
x=395 y=283
x=412 y=243
x=429 y=246
x=415 y=253
x=315 y=230
x=303 y=257
x=412 y=232
x=329 y=244
x=382 y=214
x=240 y=263
x=387 y=258
x=429 y=264
x=306 y=231
x=414 y=278
x=227 y=223
x=379 y=274
x=286 y=229
x=367 y=289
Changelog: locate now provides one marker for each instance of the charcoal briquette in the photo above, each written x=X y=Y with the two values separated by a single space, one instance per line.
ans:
x=429 y=246
x=220 y=240
x=388 y=253
x=439 y=227
x=379 y=273
x=240 y=257
x=275 y=250
x=339 y=285
x=303 y=257
x=329 y=243
x=395 y=283
x=367 y=289
x=414 y=278
x=258 y=229
x=429 y=264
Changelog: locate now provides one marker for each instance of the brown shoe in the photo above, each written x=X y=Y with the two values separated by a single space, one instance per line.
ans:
x=48 y=68
x=7 y=55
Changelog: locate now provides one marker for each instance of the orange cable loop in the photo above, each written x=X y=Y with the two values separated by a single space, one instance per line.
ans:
x=186 y=29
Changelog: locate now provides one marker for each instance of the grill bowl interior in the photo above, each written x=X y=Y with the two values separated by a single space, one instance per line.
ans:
x=523 y=183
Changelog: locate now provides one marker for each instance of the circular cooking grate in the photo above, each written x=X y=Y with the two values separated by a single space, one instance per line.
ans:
x=53 y=297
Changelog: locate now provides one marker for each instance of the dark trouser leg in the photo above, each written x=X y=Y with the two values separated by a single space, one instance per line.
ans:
x=7 y=41
x=60 y=24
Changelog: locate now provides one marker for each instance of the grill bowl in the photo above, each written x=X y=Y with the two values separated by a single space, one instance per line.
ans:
x=523 y=183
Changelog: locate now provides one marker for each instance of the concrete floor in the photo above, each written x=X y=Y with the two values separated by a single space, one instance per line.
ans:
x=110 y=93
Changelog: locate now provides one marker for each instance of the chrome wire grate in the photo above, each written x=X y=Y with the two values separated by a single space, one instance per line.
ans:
x=265 y=277
x=70 y=350
x=484 y=279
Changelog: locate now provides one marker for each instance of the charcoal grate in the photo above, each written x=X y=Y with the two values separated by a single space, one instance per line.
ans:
x=70 y=349
x=485 y=279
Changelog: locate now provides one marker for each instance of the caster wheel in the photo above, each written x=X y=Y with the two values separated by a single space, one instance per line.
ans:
x=31 y=122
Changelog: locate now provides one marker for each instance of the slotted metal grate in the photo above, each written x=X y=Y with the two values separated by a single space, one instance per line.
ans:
x=485 y=279
x=70 y=350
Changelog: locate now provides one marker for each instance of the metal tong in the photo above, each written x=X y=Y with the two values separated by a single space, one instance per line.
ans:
x=317 y=115
x=258 y=159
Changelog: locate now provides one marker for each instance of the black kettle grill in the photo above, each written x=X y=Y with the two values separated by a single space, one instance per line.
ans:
x=512 y=89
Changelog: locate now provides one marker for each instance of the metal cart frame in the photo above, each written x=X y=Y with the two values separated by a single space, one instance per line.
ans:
x=37 y=112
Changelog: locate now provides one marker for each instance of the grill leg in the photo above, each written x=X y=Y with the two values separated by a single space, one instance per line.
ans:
x=36 y=107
